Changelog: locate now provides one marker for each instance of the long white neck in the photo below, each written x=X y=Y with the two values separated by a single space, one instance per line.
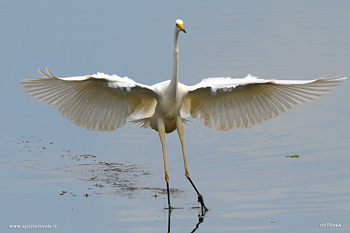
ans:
x=174 y=79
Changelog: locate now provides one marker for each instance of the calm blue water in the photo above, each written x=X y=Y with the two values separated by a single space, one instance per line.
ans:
x=53 y=172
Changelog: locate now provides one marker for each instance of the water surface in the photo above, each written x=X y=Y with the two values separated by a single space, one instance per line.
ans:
x=53 y=172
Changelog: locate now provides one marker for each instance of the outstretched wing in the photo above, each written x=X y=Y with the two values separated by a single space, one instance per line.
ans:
x=97 y=102
x=226 y=103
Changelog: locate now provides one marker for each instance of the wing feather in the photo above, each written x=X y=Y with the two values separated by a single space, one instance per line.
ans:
x=226 y=103
x=97 y=102
x=244 y=114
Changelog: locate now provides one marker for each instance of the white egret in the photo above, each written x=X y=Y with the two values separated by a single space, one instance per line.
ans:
x=102 y=102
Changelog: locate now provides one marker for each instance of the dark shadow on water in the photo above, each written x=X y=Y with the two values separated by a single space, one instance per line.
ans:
x=122 y=178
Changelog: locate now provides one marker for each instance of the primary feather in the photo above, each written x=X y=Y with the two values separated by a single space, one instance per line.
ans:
x=226 y=103
x=103 y=102
x=97 y=102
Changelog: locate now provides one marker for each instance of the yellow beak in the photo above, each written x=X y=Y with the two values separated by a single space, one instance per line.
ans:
x=181 y=26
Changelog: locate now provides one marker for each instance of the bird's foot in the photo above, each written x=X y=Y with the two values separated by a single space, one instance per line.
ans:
x=204 y=208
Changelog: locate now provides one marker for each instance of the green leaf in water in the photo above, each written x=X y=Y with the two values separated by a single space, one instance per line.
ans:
x=292 y=156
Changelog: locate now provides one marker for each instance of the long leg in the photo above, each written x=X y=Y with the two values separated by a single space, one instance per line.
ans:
x=161 y=131
x=181 y=136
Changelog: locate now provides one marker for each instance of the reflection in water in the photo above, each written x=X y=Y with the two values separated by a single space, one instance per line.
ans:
x=122 y=179
x=200 y=220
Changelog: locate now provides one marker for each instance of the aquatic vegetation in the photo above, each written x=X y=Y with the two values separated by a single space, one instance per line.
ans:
x=292 y=156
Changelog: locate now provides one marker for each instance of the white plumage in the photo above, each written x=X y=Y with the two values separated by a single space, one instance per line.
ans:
x=102 y=102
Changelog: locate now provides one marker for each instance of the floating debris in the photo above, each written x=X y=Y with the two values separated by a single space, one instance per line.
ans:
x=63 y=192
x=98 y=185
x=115 y=178
x=292 y=156
x=31 y=142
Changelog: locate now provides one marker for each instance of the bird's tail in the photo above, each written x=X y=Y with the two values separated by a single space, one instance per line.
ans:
x=185 y=122
x=142 y=123
x=146 y=122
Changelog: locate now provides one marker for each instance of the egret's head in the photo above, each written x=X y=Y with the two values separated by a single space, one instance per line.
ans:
x=180 y=25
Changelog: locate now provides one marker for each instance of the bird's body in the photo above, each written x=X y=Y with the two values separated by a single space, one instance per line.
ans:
x=168 y=107
x=103 y=102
